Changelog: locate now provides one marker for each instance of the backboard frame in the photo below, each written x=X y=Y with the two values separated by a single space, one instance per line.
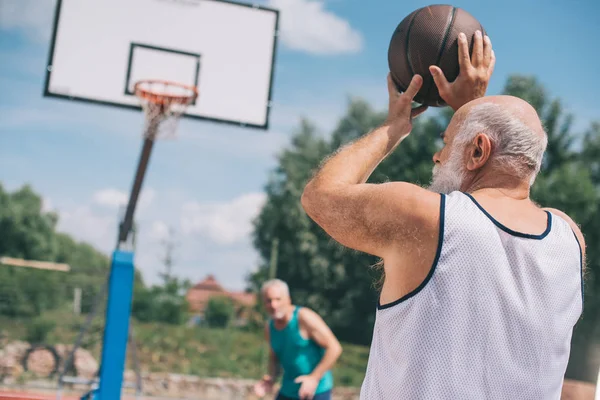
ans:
x=134 y=45
x=265 y=126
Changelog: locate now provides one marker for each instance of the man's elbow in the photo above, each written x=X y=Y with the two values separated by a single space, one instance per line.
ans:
x=310 y=199
x=336 y=348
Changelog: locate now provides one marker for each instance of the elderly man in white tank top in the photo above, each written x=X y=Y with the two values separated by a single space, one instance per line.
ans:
x=482 y=286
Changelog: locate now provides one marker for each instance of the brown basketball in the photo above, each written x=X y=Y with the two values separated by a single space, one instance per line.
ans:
x=429 y=36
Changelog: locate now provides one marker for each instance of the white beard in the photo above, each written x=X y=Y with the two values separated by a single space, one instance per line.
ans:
x=448 y=177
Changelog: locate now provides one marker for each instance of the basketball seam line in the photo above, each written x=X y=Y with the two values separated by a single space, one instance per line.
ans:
x=407 y=44
x=443 y=45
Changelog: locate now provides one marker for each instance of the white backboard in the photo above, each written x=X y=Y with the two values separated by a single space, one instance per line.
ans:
x=100 y=48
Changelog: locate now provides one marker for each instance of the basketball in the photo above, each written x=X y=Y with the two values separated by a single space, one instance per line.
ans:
x=429 y=36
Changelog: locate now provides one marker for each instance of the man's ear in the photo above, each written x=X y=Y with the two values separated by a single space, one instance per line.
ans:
x=480 y=151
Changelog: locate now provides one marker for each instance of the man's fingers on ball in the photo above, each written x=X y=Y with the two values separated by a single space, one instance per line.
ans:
x=464 y=60
x=487 y=50
x=477 y=57
x=438 y=77
x=415 y=84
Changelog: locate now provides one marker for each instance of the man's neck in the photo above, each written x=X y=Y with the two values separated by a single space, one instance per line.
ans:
x=498 y=185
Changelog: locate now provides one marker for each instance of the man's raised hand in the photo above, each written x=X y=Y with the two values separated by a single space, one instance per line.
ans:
x=400 y=111
x=475 y=72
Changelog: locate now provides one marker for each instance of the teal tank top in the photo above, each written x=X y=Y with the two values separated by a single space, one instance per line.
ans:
x=297 y=356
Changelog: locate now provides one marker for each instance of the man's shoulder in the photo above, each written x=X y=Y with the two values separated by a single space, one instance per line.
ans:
x=565 y=217
x=307 y=315
x=304 y=311
x=574 y=226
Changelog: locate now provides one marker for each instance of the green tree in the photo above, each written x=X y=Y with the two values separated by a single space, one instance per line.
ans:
x=39 y=329
x=161 y=303
x=591 y=151
x=219 y=312
x=29 y=232
x=88 y=272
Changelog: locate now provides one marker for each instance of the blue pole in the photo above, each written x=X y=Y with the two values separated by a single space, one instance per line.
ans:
x=116 y=329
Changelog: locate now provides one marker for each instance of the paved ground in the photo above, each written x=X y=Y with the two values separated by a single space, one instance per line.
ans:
x=572 y=390
x=30 y=396
x=42 y=395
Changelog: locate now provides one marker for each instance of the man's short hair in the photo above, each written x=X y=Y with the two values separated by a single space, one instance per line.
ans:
x=275 y=282
x=518 y=148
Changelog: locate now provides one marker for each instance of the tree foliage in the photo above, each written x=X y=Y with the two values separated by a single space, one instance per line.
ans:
x=340 y=283
x=161 y=303
x=219 y=312
x=26 y=231
x=29 y=232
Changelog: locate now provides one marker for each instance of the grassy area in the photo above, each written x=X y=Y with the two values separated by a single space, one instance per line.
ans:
x=189 y=350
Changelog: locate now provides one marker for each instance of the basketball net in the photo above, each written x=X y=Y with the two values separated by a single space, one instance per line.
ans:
x=163 y=103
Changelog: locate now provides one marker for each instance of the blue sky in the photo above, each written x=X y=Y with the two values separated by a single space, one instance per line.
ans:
x=208 y=183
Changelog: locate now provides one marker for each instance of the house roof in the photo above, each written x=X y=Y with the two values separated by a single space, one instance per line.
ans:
x=199 y=295
x=210 y=284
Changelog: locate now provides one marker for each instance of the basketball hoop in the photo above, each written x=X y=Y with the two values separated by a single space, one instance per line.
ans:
x=164 y=103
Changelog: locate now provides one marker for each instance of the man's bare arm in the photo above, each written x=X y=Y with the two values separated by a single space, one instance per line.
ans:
x=367 y=217
x=372 y=218
x=319 y=332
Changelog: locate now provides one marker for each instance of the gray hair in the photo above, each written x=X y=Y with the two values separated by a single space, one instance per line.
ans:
x=518 y=149
x=275 y=282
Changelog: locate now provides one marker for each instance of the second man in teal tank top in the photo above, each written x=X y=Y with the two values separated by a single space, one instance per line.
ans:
x=301 y=344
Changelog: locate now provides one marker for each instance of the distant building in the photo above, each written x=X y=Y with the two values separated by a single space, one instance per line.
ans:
x=199 y=295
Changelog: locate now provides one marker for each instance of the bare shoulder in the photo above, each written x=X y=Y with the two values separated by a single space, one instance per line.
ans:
x=414 y=213
x=373 y=217
x=310 y=319
x=307 y=315
x=412 y=200
x=316 y=328
x=574 y=226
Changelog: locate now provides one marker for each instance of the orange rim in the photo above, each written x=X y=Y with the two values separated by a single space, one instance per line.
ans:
x=162 y=98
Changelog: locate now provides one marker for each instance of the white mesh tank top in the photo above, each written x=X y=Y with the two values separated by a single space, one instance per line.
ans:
x=492 y=320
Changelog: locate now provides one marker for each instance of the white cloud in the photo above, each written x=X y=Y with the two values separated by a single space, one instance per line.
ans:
x=30 y=111
x=114 y=198
x=86 y=224
x=223 y=223
x=159 y=230
x=110 y=198
x=47 y=204
x=209 y=237
x=325 y=108
x=307 y=26
x=96 y=221
x=240 y=144
x=34 y=17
